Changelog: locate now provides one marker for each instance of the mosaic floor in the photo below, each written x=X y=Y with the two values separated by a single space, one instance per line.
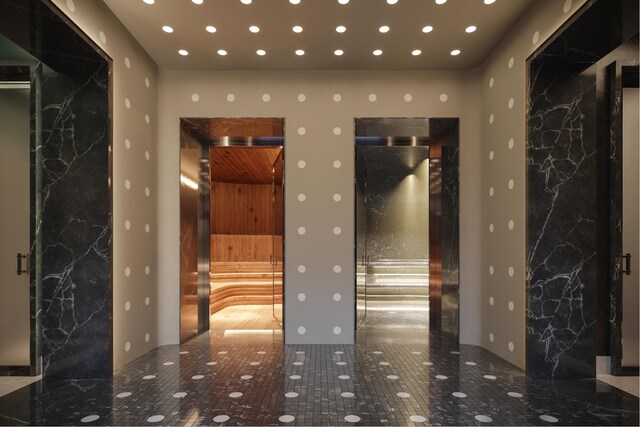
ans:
x=200 y=383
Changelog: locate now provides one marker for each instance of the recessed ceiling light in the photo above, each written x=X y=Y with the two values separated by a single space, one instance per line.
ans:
x=441 y=1
x=338 y=52
x=297 y=29
x=211 y=29
x=416 y=52
x=341 y=28
x=343 y=1
x=489 y=1
x=455 y=52
x=222 y=52
x=167 y=29
x=294 y=1
x=470 y=29
x=299 y=52
x=384 y=29
x=377 y=52
x=197 y=1
x=245 y=1
x=427 y=29
x=392 y=1
x=261 y=52
x=149 y=1
x=183 y=52
x=254 y=29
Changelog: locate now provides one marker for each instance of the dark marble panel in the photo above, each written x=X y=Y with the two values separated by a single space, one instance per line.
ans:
x=561 y=232
x=450 y=240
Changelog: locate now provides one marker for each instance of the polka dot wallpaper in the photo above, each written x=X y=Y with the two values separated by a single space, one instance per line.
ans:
x=503 y=178
x=135 y=79
x=319 y=110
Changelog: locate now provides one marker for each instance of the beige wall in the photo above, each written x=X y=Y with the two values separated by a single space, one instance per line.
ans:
x=135 y=308
x=504 y=88
x=327 y=138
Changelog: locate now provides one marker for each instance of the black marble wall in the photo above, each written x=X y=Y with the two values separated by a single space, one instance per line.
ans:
x=71 y=193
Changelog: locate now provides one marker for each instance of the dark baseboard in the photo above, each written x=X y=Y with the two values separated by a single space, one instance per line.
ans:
x=15 y=371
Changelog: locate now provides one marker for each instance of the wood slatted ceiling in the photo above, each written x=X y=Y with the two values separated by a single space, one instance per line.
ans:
x=244 y=165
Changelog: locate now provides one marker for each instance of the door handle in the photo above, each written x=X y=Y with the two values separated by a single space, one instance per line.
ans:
x=19 y=258
x=627 y=264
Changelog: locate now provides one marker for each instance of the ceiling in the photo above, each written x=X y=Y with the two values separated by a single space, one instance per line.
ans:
x=245 y=165
x=319 y=38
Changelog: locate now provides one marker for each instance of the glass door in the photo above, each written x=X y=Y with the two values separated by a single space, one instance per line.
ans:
x=361 y=242
x=277 y=236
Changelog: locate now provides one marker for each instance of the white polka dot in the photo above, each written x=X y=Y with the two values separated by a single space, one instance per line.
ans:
x=298 y=363
x=147 y=337
x=511 y=184
x=417 y=418
x=337 y=131
x=490 y=377
x=511 y=306
x=127 y=271
x=491 y=337
x=301 y=131
x=147 y=119
x=491 y=118
x=441 y=377
x=127 y=143
x=147 y=270
x=352 y=419
x=261 y=352
x=197 y=377
x=291 y=394
x=337 y=197
x=491 y=155
x=458 y=395
x=392 y=377
x=338 y=352
x=491 y=270
x=427 y=363
x=514 y=394
x=286 y=418
x=511 y=346
x=147 y=82
x=343 y=377
x=491 y=191
x=266 y=97
x=123 y=395
x=127 y=225
x=302 y=269
x=195 y=97
x=90 y=418
x=302 y=164
x=444 y=97
x=337 y=330
x=491 y=228
x=168 y=363
x=302 y=330
x=403 y=395
x=147 y=191
x=127 y=184
x=511 y=62
x=127 y=346
x=220 y=418
x=184 y=352
x=148 y=377
x=416 y=352
x=155 y=418
x=373 y=97
x=384 y=363
x=127 y=103
x=295 y=377
x=511 y=224
x=408 y=97
x=511 y=272
x=470 y=363
x=483 y=418
x=536 y=37
x=179 y=395
x=71 y=6
x=223 y=352
x=103 y=37
x=235 y=395
x=347 y=394
x=491 y=301
x=511 y=143
x=337 y=231
x=337 y=164
x=337 y=297
x=302 y=297
x=377 y=352
x=212 y=363
x=302 y=197
x=567 y=6
x=510 y=103
x=127 y=306
x=302 y=97
x=491 y=82
x=548 y=418
x=337 y=97
x=341 y=363
x=337 y=269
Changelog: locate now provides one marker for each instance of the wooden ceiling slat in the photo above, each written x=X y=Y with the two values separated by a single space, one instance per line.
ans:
x=243 y=165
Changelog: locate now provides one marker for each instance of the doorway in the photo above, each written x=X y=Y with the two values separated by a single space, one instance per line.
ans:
x=406 y=228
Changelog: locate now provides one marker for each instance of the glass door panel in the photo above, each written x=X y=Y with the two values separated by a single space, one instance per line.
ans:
x=361 y=243
x=277 y=236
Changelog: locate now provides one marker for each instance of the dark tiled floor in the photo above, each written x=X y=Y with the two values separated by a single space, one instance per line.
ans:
x=204 y=383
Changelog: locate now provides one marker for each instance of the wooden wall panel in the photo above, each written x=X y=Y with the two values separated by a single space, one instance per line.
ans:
x=244 y=248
